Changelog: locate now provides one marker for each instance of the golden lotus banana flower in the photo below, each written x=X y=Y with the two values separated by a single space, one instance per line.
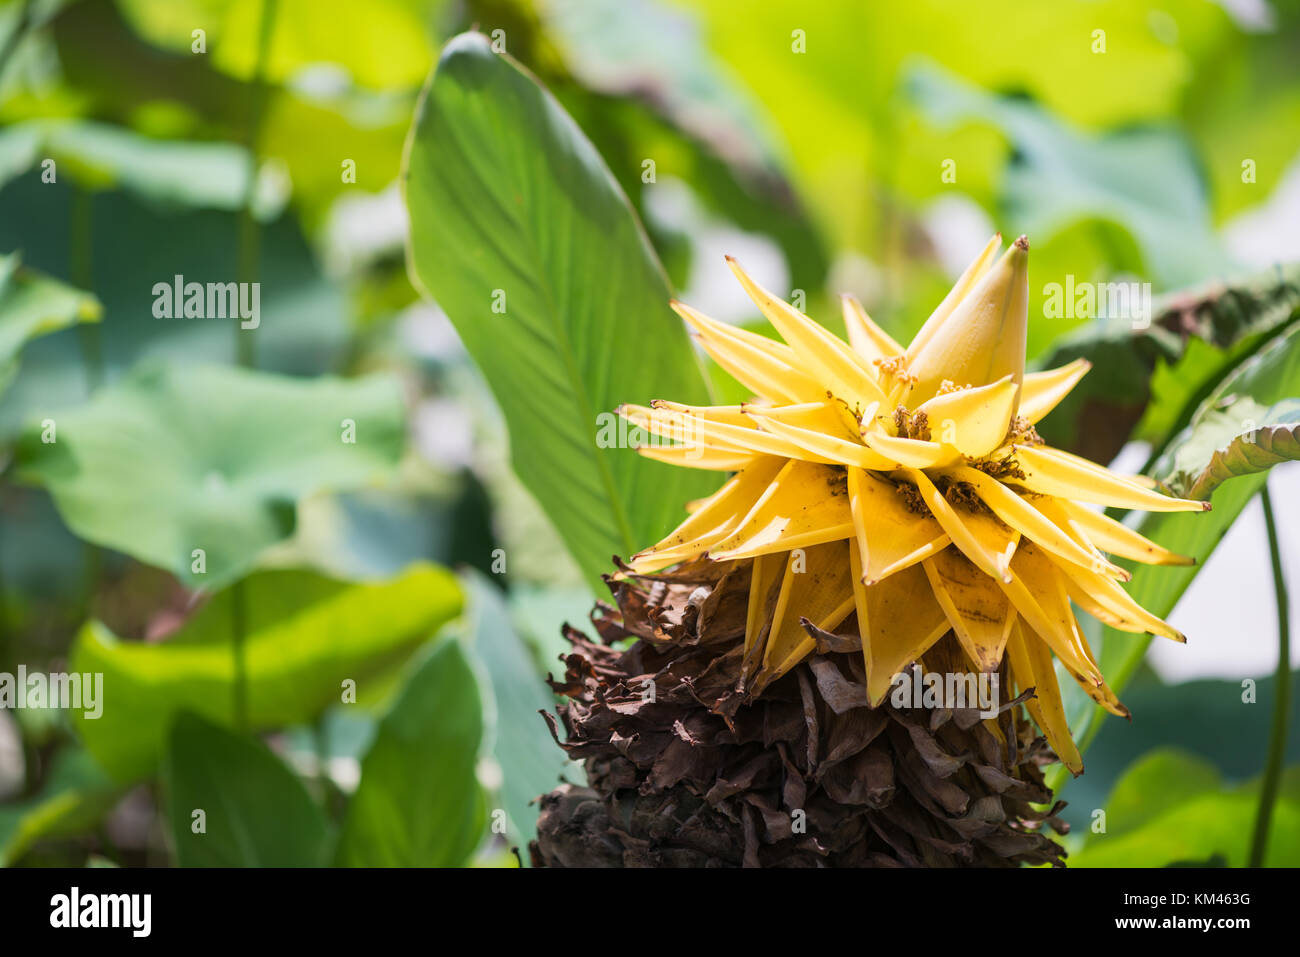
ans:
x=909 y=487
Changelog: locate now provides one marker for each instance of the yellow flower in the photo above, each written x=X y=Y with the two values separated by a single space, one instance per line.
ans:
x=909 y=486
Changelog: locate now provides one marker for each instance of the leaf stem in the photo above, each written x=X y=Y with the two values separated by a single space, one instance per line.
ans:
x=81 y=272
x=248 y=253
x=249 y=229
x=81 y=233
x=1281 y=694
x=8 y=642
x=329 y=793
x=238 y=634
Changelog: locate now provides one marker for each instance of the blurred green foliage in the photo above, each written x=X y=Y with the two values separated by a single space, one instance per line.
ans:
x=305 y=636
x=259 y=812
x=837 y=146
x=552 y=285
x=1172 y=808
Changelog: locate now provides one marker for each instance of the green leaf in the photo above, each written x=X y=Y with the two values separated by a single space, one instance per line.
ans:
x=305 y=635
x=1157 y=588
x=256 y=812
x=1222 y=327
x=1261 y=386
x=1250 y=423
x=712 y=134
x=1249 y=101
x=101 y=156
x=653 y=51
x=540 y=614
x=387 y=48
x=1206 y=718
x=20 y=147
x=1145 y=180
x=1257 y=450
x=530 y=762
x=1097 y=417
x=34 y=305
x=419 y=803
x=1161 y=778
x=1211 y=823
x=298 y=132
x=1159 y=376
x=175 y=459
x=303 y=324
x=507 y=198
x=75 y=795
x=847 y=130
x=1174 y=383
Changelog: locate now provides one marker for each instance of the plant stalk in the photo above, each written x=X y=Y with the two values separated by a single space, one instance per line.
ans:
x=8 y=642
x=80 y=271
x=248 y=254
x=238 y=636
x=249 y=249
x=1281 y=695
x=81 y=232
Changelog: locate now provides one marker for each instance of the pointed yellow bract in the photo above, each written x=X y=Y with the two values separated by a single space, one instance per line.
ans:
x=804 y=505
x=983 y=540
x=910 y=453
x=1043 y=390
x=965 y=283
x=974 y=421
x=1049 y=472
x=984 y=337
x=975 y=607
x=904 y=493
x=1019 y=513
x=899 y=620
x=890 y=538
x=759 y=364
x=816 y=587
x=1117 y=538
x=868 y=339
x=824 y=356
x=822 y=447
x=714 y=518
x=1031 y=664
x=698 y=457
